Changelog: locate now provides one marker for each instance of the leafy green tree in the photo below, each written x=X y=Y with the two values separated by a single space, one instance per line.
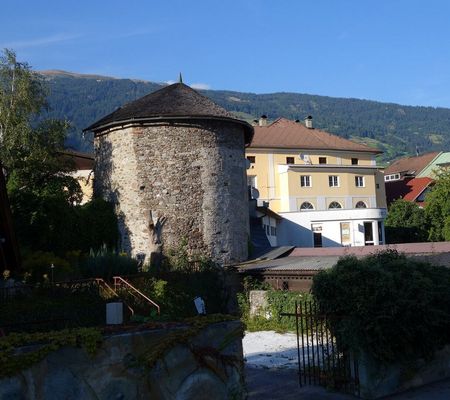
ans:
x=438 y=208
x=405 y=223
x=31 y=154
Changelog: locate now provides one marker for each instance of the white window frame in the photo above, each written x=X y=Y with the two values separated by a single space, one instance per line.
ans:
x=305 y=181
x=391 y=177
x=306 y=209
x=335 y=208
x=360 y=181
x=333 y=181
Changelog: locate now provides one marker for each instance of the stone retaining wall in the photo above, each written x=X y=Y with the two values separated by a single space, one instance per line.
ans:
x=377 y=381
x=209 y=366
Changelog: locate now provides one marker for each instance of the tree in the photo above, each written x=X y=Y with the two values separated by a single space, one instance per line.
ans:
x=42 y=192
x=405 y=223
x=31 y=155
x=438 y=207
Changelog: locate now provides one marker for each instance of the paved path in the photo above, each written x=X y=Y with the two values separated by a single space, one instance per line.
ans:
x=282 y=384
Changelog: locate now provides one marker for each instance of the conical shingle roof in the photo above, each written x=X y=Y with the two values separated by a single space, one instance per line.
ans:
x=171 y=102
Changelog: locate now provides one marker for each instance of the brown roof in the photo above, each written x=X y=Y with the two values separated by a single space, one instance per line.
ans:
x=82 y=161
x=287 y=134
x=171 y=102
x=411 y=165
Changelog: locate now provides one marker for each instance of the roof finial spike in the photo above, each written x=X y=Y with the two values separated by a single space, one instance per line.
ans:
x=181 y=78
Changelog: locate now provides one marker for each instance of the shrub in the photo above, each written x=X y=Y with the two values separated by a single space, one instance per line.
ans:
x=389 y=306
x=278 y=302
x=106 y=264
x=37 y=266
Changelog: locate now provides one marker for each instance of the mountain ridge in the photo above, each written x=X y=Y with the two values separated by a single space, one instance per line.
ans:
x=398 y=130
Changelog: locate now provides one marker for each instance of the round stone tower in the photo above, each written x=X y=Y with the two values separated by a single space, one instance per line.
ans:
x=173 y=163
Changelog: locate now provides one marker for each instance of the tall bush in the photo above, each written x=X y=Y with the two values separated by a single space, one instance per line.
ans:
x=387 y=305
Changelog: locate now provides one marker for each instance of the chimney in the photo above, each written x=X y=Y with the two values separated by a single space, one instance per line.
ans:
x=308 y=122
x=263 y=120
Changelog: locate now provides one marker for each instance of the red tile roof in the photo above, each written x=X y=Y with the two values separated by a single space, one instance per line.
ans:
x=411 y=165
x=407 y=189
x=287 y=134
x=416 y=187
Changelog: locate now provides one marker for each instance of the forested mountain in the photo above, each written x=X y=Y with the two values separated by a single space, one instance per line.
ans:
x=395 y=129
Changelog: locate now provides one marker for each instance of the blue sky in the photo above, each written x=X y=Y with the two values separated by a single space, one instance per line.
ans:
x=387 y=50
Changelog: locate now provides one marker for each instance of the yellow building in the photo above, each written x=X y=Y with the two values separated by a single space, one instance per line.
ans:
x=328 y=190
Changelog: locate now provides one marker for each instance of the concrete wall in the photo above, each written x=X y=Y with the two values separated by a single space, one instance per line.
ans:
x=209 y=366
x=191 y=174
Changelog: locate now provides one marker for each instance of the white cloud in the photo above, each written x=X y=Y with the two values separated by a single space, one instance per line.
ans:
x=200 y=86
x=43 y=41
x=170 y=82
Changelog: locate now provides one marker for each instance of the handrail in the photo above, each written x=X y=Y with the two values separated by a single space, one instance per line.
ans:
x=121 y=280
x=102 y=283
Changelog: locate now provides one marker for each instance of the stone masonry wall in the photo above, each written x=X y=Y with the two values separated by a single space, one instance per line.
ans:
x=192 y=174
x=209 y=366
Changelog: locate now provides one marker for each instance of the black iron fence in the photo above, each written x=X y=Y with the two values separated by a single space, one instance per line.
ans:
x=321 y=359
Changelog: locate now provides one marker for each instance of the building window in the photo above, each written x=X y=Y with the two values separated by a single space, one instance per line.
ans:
x=252 y=159
x=251 y=180
x=360 y=204
x=317 y=235
x=392 y=177
x=334 y=204
x=368 y=234
x=273 y=231
x=359 y=181
x=333 y=181
x=290 y=160
x=378 y=185
x=306 y=205
x=322 y=160
x=305 y=181
x=354 y=161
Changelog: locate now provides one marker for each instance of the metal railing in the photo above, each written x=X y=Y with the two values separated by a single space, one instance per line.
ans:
x=321 y=360
x=119 y=283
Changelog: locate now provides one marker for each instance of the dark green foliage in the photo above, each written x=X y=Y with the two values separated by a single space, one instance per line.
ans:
x=278 y=302
x=387 y=305
x=97 y=224
x=395 y=129
x=406 y=223
x=174 y=290
x=52 y=308
x=106 y=264
x=49 y=222
x=438 y=208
